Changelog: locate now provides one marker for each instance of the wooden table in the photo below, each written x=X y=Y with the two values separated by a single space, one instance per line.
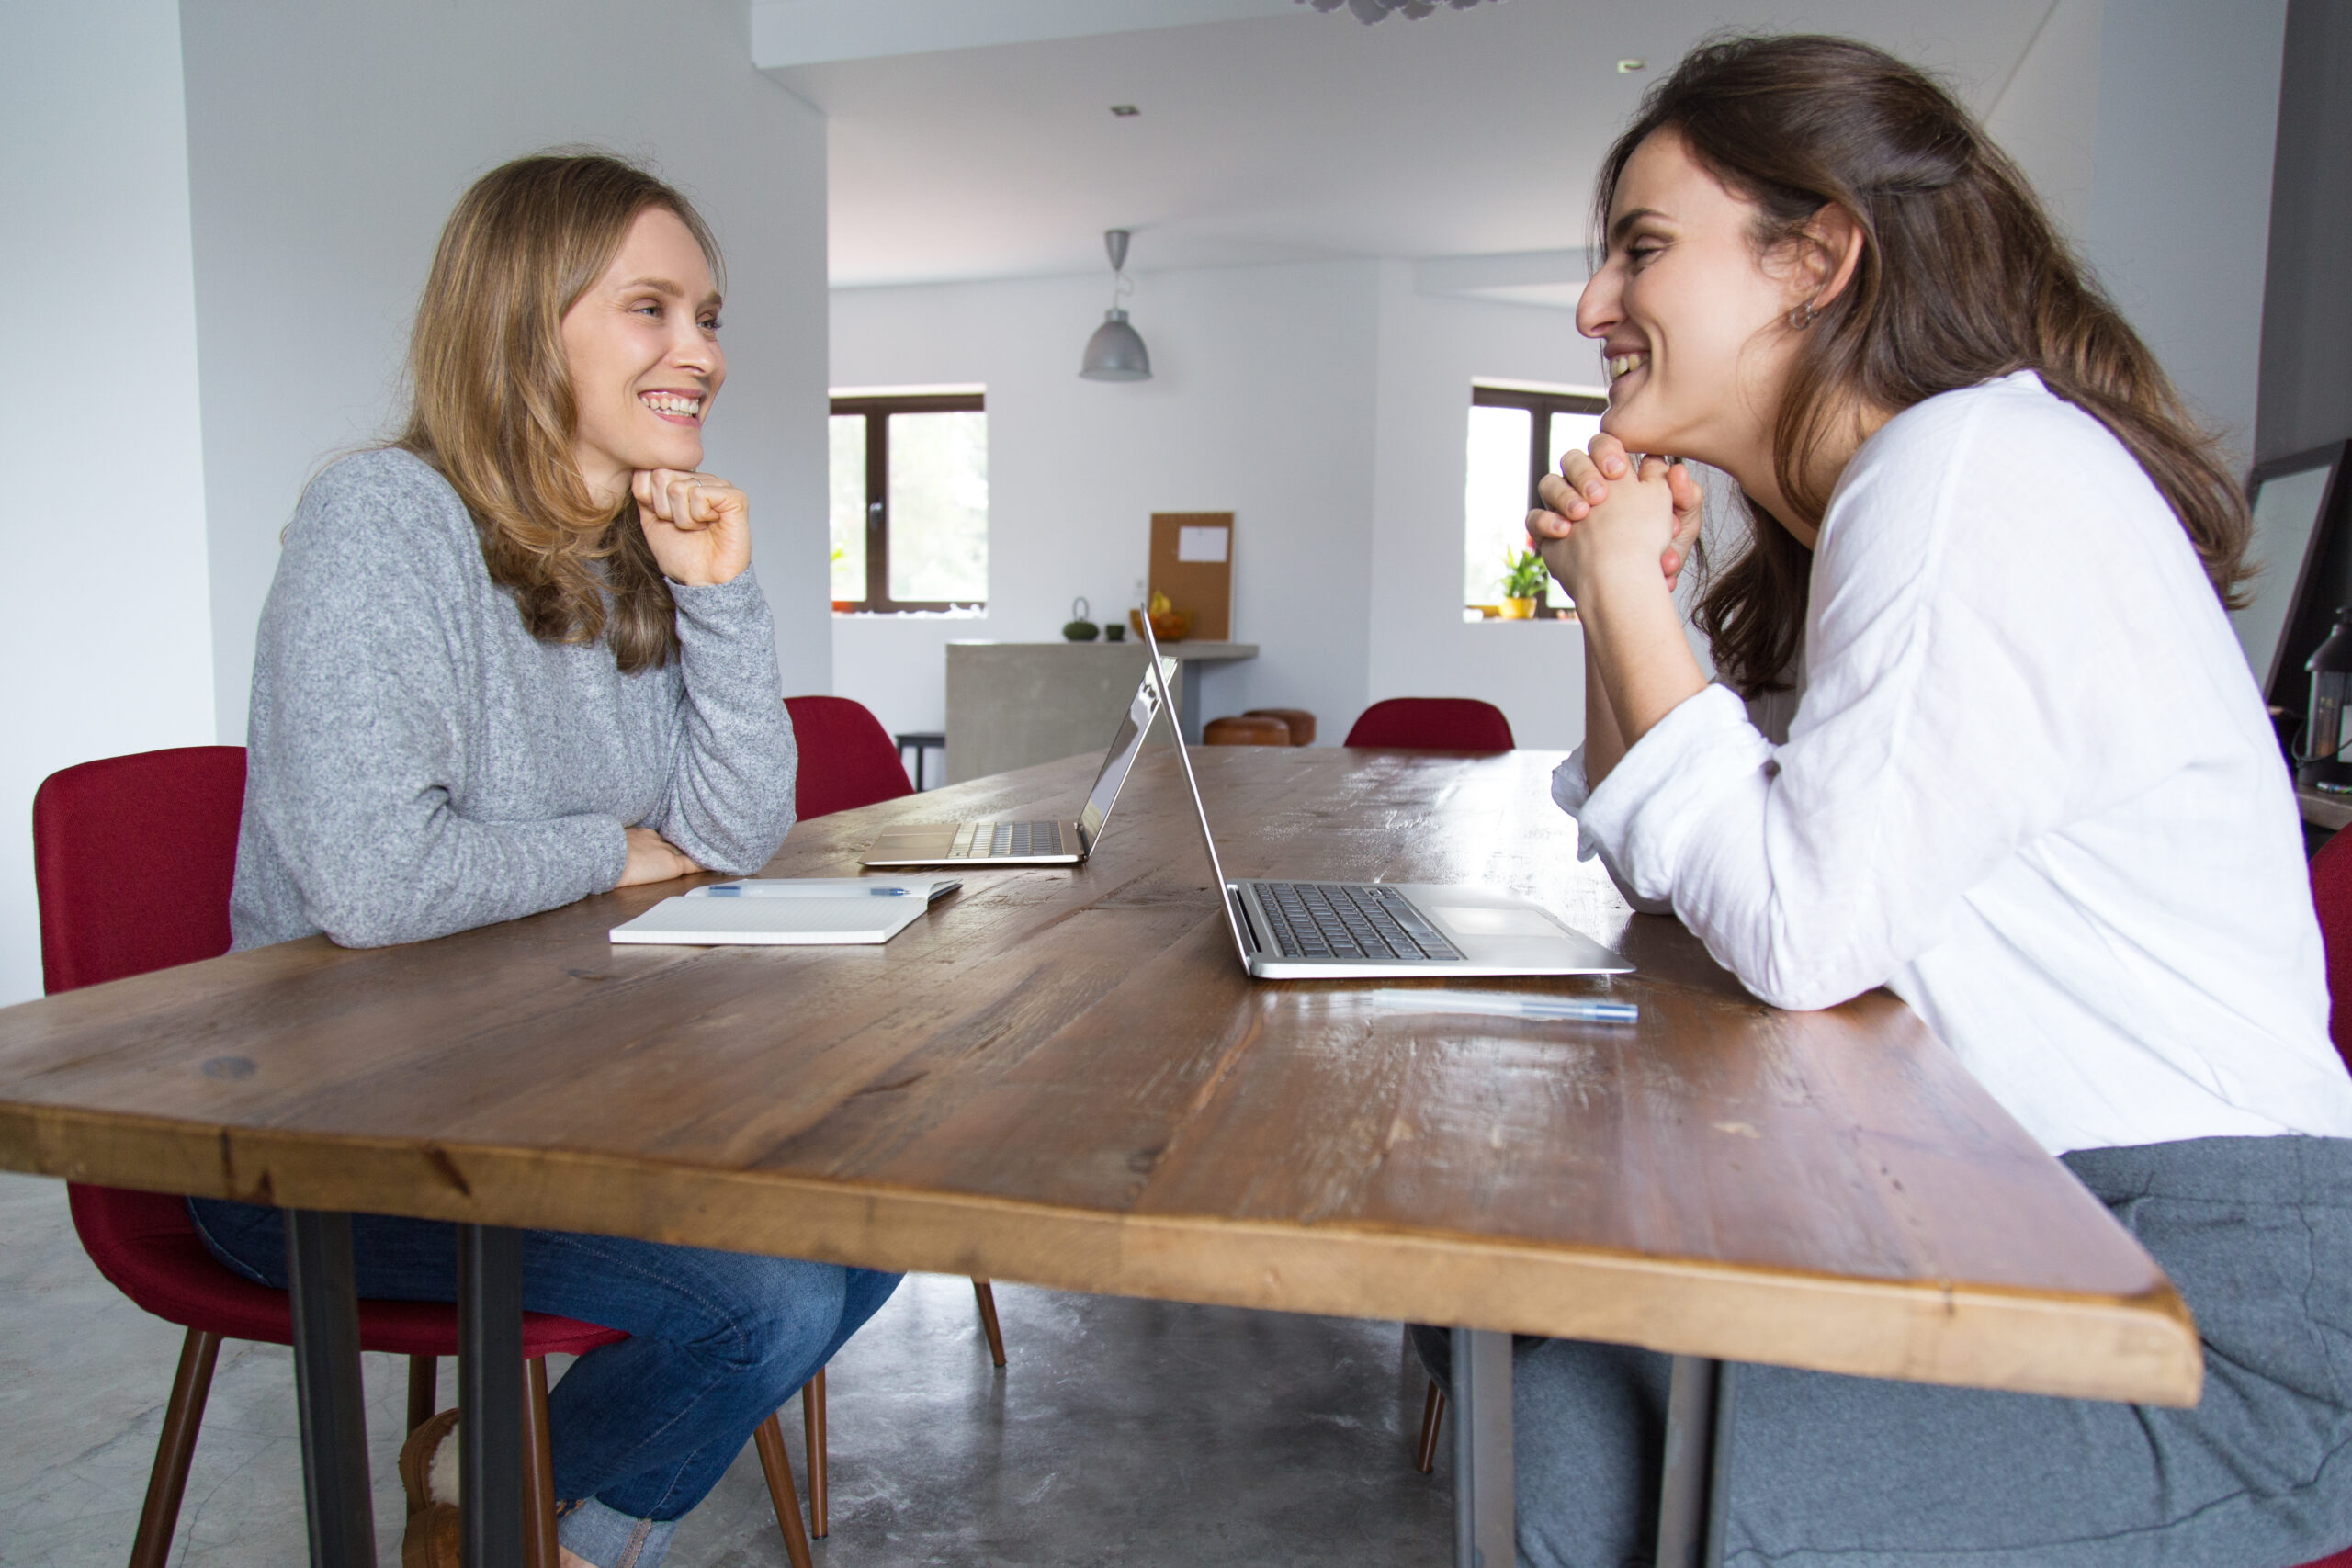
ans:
x=1064 y=1077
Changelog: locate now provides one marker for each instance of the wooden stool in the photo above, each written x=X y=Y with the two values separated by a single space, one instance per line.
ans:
x=1247 y=729
x=1301 y=722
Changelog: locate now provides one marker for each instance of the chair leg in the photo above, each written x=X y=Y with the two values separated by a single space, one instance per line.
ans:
x=538 y=1469
x=812 y=1433
x=776 y=1465
x=424 y=1389
x=191 y=1386
x=986 y=1296
x=1432 y=1416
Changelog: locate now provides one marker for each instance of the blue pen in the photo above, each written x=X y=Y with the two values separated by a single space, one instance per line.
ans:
x=1584 y=1012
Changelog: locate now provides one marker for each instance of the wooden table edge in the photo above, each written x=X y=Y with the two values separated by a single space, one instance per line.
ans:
x=2140 y=1346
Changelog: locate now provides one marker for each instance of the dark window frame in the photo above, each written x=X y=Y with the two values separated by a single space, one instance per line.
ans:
x=1541 y=407
x=877 y=413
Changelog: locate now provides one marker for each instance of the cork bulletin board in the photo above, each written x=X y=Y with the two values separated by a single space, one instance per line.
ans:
x=1192 y=562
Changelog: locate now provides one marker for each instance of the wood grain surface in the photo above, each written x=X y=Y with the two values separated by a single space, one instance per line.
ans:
x=1065 y=1077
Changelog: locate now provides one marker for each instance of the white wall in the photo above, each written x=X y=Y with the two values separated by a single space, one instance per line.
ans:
x=1260 y=404
x=326 y=144
x=2179 y=208
x=1431 y=349
x=2047 y=117
x=106 y=637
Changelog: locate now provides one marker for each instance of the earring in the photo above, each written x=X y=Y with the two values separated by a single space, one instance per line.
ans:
x=1802 y=316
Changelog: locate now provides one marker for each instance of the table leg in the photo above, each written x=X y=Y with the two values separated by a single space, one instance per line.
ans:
x=1484 y=1534
x=1694 y=1496
x=489 y=1394
x=326 y=1385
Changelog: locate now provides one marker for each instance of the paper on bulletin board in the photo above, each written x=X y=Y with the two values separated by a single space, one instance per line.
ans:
x=1203 y=544
x=1192 y=562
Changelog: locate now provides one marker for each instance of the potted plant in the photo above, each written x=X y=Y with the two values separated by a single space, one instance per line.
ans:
x=1524 y=577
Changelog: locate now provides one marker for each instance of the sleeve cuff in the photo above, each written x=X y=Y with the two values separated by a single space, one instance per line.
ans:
x=613 y=856
x=1569 y=792
x=720 y=606
x=1640 y=819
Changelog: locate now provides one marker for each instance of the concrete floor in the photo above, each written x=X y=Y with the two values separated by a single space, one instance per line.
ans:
x=1123 y=1432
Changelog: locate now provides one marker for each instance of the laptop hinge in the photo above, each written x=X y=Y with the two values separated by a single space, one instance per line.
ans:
x=1249 y=927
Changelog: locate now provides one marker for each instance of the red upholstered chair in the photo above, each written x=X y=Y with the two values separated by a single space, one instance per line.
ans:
x=133 y=857
x=2332 y=898
x=1432 y=723
x=848 y=760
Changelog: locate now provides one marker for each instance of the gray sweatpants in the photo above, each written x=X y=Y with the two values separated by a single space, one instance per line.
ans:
x=2254 y=1232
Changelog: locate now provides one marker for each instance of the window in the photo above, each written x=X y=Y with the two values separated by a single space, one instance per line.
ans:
x=1516 y=437
x=910 y=503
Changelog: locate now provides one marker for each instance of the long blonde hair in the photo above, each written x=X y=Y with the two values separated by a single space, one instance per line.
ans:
x=491 y=405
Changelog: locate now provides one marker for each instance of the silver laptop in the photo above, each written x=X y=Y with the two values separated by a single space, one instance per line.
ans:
x=1043 y=842
x=1345 y=931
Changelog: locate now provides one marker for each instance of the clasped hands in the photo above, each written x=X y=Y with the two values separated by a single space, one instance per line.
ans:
x=699 y=527
x=1601 y=514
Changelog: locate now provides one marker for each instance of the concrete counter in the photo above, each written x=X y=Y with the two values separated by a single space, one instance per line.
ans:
x=1011 y=705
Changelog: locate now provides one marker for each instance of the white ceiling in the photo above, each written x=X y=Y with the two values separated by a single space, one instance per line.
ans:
x=1294 y=136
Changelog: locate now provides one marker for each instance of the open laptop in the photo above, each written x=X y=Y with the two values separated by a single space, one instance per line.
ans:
x=1044 y=841
x=1344 y=930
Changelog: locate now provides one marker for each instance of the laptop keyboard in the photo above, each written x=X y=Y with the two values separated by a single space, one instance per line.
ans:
x=992 y=839
x=1340 y=920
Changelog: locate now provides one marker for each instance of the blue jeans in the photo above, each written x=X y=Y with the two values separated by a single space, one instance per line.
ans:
x=717 y=1342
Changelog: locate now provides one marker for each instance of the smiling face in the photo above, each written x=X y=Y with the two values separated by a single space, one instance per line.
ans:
x=641 y=347
x=1692 y=323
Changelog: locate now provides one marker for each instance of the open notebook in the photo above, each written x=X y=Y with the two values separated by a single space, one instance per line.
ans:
x=803 y=911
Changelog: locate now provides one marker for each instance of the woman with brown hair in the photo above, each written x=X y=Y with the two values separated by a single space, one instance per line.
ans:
x=516 y=657
x=1985 y=737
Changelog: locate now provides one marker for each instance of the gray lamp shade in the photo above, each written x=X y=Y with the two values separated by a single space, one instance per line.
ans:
x=1116 y=352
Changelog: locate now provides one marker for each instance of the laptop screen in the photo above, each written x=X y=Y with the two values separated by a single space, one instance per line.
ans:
x=1125 y=748
x=1200 y=811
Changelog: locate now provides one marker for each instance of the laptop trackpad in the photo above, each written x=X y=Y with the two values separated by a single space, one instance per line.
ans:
x=1472 y=919
x=913 y=844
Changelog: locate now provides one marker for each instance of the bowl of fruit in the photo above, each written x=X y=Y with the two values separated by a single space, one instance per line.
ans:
x=1169 y=624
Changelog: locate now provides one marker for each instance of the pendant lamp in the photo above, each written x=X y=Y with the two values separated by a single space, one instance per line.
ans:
x=1116 y=352
x=1379 y=10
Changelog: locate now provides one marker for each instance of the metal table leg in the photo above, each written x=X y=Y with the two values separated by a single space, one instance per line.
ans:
x=489 y=1394
x=1484 y=1534
x=326 y=1382
x=1695 y=1495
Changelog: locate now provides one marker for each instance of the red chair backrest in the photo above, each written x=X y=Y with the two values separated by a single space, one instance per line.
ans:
x=133 y=858
x=2331 y=896
x=847 y=758
x=1432 y=723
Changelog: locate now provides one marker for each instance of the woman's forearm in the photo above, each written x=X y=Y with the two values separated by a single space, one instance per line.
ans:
x=1602 y=744
x=1634 y=639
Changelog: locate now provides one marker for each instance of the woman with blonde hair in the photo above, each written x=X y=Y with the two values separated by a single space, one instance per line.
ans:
x=1983 y=736
x=516 y=657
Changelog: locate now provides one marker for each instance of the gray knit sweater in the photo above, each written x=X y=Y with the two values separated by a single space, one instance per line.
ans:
x=418 y=763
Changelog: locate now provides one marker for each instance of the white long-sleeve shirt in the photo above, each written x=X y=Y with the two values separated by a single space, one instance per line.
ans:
x=2028 y=786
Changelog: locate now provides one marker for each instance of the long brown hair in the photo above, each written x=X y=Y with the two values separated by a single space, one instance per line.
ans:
x=1962 y=277
x=491 y=404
